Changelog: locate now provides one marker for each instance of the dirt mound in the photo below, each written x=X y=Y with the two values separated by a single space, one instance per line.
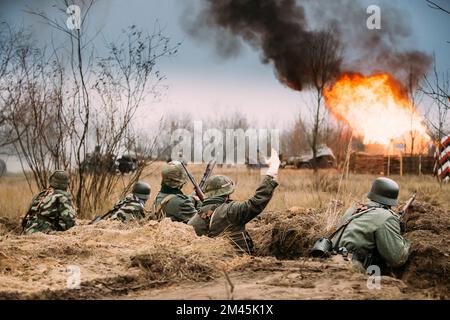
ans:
x=292 y=233
x=428 y=267
x=161 y=260
x=166 y=263
x=112 y=258
x=289 y=234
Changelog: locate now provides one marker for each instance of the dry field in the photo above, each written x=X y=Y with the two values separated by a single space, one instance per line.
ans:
x=166 y=260
x=298 y=188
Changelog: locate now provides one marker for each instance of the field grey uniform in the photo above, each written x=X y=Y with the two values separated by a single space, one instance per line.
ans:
x=219 y=216
x=170 y=201
x=374 y=236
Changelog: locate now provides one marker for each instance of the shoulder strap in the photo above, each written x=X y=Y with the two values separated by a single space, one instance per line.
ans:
x=207 y=216
x=358 y=213
x=159 y=208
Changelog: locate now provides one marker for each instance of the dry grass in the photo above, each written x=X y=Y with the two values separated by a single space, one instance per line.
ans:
x=110 y=251
x=114 y=257
x=298 y=188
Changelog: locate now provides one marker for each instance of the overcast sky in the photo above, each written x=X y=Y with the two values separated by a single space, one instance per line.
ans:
x=199 y=81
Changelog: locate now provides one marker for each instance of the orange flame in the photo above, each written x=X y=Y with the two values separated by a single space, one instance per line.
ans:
x=374 y=107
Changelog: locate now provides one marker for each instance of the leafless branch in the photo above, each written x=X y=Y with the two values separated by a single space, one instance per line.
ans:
x=435 y=6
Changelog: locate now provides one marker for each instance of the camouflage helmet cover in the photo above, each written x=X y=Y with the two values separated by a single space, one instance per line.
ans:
x=59 y=179
x=173 y=175
x=141 y=190
x=218 y=186
x=384 y=191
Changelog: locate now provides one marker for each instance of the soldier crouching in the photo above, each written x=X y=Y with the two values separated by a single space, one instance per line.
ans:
x=52 y=208
x=170 y=201
x=131 y=208
x=371 y=233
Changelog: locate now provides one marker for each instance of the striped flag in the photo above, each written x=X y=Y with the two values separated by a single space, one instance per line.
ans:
x=442 y=156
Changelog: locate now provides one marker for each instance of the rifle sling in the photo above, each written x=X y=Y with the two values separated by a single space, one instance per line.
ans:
x=343 y=226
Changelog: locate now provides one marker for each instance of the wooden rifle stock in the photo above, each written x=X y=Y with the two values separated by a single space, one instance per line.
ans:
x=408 y=204
x=198 y=190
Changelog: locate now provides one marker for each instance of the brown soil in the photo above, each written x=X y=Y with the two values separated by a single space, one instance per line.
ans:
x=269 y=278
x=428 y=266
x=113 y=258
x=168 y=261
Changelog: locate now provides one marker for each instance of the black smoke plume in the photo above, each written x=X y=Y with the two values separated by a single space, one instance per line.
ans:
x=284 y=30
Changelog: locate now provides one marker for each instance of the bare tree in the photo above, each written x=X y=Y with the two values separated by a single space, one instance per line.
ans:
x=81 y=110
x=51 y=111
x=30 y=95
x=434 y=5
x=438 y=89
x=163 y=143
x=9 y=40
x=415 y=96
x=324 y=56
x=298 y=140
x=125 y=78
x=337 y=136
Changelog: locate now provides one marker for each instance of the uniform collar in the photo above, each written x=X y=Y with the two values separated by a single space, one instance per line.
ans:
x=373 y=204
x=169 y=190
x=214 y=200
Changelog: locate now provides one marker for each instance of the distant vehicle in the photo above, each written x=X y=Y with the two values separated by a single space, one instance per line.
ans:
x=324 y=159
x=127 y=163
x=96 y=162
x=2 y=167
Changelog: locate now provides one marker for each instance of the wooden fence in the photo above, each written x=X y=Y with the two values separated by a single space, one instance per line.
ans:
x=385 y=165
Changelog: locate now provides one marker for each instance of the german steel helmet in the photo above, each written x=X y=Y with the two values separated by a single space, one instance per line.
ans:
x=141 y=190
x=384 y=191
x=218 y=186
x=59 y=179
x=173 y=175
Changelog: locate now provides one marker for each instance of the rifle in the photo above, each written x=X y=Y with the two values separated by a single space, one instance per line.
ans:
x=98 y=218
x=198 y=190
x=408 y=204
x=207 y=173
x=405 y=211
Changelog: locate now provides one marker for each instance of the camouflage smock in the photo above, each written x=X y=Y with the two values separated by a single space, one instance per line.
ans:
x=378 y=232
x=50 y=210
x=128 y=209
x=217 y=217
x=173 y=204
